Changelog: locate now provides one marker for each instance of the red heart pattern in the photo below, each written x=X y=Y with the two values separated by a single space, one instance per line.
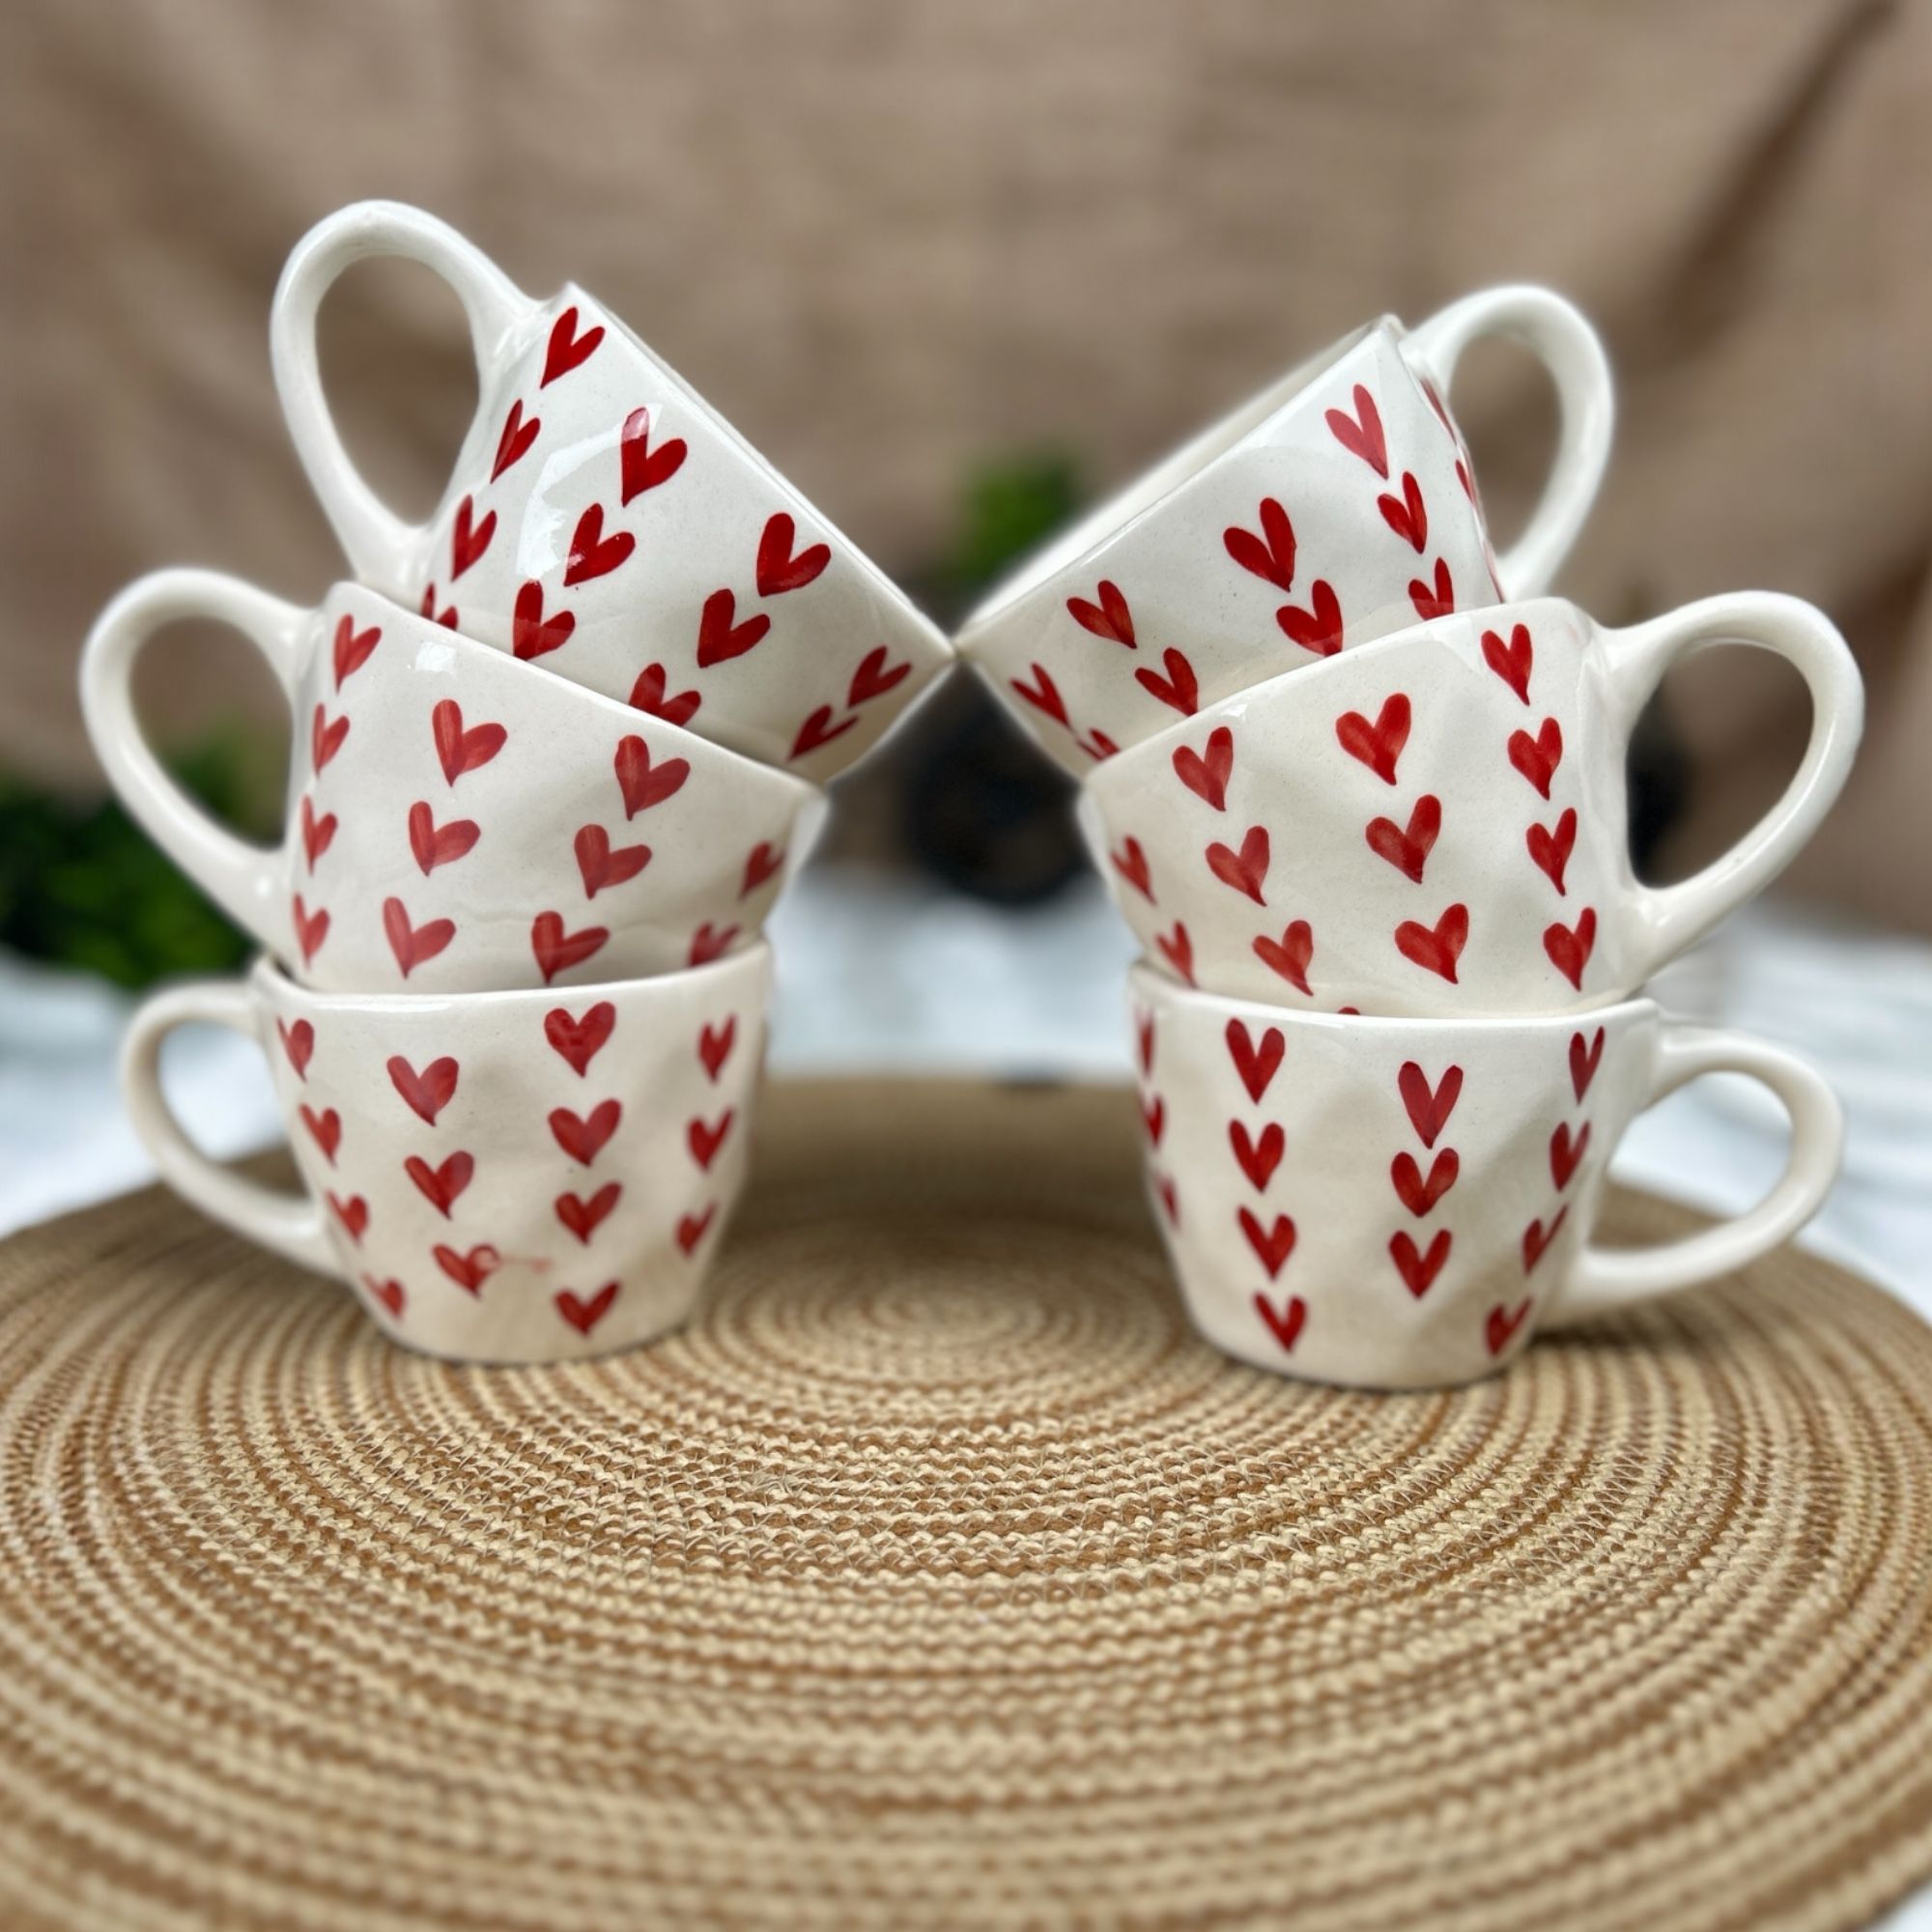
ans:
x=515 y=441
x=578 y=1041
x=316 y=834
x=1501 y=1323
x=585 y=1314
x=353 y=1214
x=442 y=1186
x=324 y=1128
x=468 y=539
x=1429 y=1107
x=1406 y=515
x=1379 y=745
x=600 y=864
x=584 y=1137
x=1584 y=1062
x=387 y=1293
x=1570 y=946
x=1273 y=1244
x=1408 y=848
x=311 y=929
x=325 y=738
x=1258 y=1157
x=1537 y=758
x=1153 y=1119
x=1285 y=1326
x=1246 y=870
x=437 y=845
x=1109 y=617
x=352 y=647
x=1361 y=434
x=709 y=943
x=642 y=467
x=721 y=637
x=593 y=555
x=1436 y=598
x=649 y=695
x=1535 y=1239
x=410 y=944
x=691 y=1228
x=299 y=1044
x=874 y=679
x=1177 y=948
x=780 y=569
x=1565 y=1152
x=704 y=1139
x=714 y=1046
x=1419 y=1195
x=1270 y=555
x=1318 y=628
x=1418 y=1269
x=532 y=635
x=469 y=1271
x=457 y=750
x=1510 y=662
x=428 y=1093
x=1290 y=954
x=762 y=863
x=818 y=730
x=1549 y=851
x=1256 y=1065
x=584 y=1217
x=1043 y=695
x=642 y=783
x=567 y=350
x=1179 y=689
x=1207 y=776
x=557 y=951
x=1437 y=948
x=1132 y=863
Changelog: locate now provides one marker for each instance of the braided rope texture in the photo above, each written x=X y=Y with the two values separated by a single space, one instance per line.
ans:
x=938 y=1576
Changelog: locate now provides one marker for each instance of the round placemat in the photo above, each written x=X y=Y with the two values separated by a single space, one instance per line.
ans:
x=937 y=1576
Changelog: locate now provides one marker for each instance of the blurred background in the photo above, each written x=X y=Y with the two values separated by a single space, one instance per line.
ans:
x=956 y=269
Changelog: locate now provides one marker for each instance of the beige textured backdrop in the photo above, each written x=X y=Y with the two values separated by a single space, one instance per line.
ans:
x=889 y=239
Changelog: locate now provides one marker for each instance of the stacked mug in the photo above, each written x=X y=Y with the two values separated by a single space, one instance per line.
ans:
x=556 y=753
x=1358 y=787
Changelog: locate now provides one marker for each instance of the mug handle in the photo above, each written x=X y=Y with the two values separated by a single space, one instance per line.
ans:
x=240 y=879
x=1605 y=1279
x=377 y=543
x=1671 y=918
x=288 y=1223
x=1555 y=331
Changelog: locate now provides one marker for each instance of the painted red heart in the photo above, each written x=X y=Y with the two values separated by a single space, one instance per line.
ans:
x=428 y=1093
x=779 y=569
x=1043 y=695
x=324 y=1128
x=649 y=695
x=600 y=864
x=1537 y=758
x=1584 y=1062
x=1510 y=662
x=387 y=1292
x=1132 y=863
x=1406 y=515
x=1536 y=1238
x=1273 y=1245
x=516 y=438
x=566 y=348
x=1318 y=628
x=1407 y=849
x=1246 y=870
x=581 y=1315
x=1109 y=619
x=311 y=929
x=1256 y=1065
x=1429 y=1107
x=1437 y=948
x=413 y=945
x=704 y=1139
x=1565 y=1152
x=1570 y=949
x=1418 y=1270
x=582 y=1139
x=1434 y=600
x=818 y=730
x=353 y=647
x=1258 y=1158
x=1097 y=746
x=593 y=555
x=1418 y=1195
x=299 y=1043
x=1170 y=1200
x=709 y=943
x=1144 y=1035
x=458 y=751
x=1177 y=948
x=644 y=468
x=691 y=1228
x=1361 y=434
x=1270 y=555
x=714 y=1046
x=1378 y=746
x=325 y=738
x=353 y=1214
x=1551 y=850
x=578 y=1041
x=436 y=845
x=582 y=1217
x=874 y=679
x=468 y=1272
x=532 y=635
x=1153 y=1119
x=762 y=863
x=1179 y=690
x=316 y=832
x=642 y=783
x=1287 y=1324
x=446 y=616
x=1207 y=778
x=441 y=1186
x=1500 y=1327
x=720 y=637
x=557 y=951
x=1290 y=954
x=468 y=539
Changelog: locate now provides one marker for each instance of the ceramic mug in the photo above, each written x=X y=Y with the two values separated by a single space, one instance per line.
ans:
x=455 y=822
x=606 y=524
x=1400 y=1203
x=499 y=1176
x=1333 y=508
x=1436 y=823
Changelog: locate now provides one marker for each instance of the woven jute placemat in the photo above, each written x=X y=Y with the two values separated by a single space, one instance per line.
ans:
x=937 y=1576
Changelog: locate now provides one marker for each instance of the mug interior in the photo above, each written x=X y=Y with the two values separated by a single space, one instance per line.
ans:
x=1171 y=473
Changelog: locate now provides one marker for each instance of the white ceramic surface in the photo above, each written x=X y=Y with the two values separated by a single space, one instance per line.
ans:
x=457 y=822
x=499 y=1176
x=1436 y=823
x=604 y=523
x=1336 y=506
x=1400 y=1202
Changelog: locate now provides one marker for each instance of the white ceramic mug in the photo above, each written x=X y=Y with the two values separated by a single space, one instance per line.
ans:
x=606 y=524
x=1400 y=1202
x=1338 y=505
x=499 y=1176
x=455 y=822
x=1436 y=823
